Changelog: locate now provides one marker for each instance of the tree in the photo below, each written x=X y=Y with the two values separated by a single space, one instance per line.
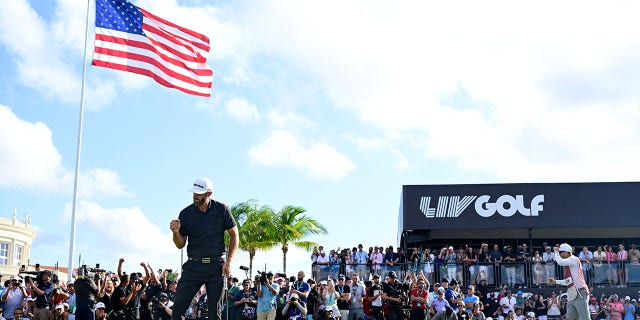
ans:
x=291 y=226
x=254 y=224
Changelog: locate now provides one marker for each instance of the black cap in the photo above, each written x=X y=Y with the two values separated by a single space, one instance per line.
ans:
x=392 y=274
x=47 y=272
x=246 y=281
x=341 y=276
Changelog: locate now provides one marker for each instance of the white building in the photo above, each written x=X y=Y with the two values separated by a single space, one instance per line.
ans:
x=15 y=244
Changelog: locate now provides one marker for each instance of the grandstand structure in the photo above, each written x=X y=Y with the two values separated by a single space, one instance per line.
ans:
x=581 y=214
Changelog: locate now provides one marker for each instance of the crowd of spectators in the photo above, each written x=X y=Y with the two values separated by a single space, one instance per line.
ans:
x=374 y=284
x=519 y=266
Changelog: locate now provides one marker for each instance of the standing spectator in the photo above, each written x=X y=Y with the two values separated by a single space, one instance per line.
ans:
x=12 y=297
x=549 y=263
x=510 y=257
x=477 y=313
x=357 y=296
x=416 y=259
x=86 y=297
x=322 y=258
x=470 y=300
x=586 y=257
x=344 y=293
x=295 y=309
x=376 y=261
x=301 y=288
x=496 y=257
x=634 y=255
x=629 y=309
x=419 y=298
x=42 y=289
x=616 y=309
x=519 y=303
x=492 y=306
x=453 y=296
x=553 y=307
x=538 y=269
x=623 y=271
x=451 y=261
x=267 y=291
x=245 y=302
x=612 y=266
x=391 y=294
x=594 y=308
x=428 y=262
x=391 y=258
x=330 y=297
x=375 y=296
x=439 y=303
x=360 y=258
x=101 y=313
x=471 y=260
x=507 y=303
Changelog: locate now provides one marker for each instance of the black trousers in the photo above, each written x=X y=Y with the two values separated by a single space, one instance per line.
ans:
x=395 y=313
x=417 y=314
x=194 y=275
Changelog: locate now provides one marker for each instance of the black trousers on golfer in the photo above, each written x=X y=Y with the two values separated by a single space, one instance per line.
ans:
x=194 y=275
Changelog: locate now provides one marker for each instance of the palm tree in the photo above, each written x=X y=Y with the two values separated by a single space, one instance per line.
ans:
x=292 y=226
x=253 y=224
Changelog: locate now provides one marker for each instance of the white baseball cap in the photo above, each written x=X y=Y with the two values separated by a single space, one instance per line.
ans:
x=100 y=305
x=565 y=247
x=202 y=185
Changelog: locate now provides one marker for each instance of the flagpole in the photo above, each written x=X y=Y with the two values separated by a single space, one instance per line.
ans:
x=72 y=236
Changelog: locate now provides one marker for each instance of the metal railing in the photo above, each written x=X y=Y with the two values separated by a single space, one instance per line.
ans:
x=526 y=274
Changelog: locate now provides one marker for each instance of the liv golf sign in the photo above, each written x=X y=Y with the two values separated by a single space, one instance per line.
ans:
x=505 y=205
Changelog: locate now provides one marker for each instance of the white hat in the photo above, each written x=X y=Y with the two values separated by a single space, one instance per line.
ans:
x=100 y=305
x=450 y=247
x=627 y=298
x=202 y=185
x=323 y=282
x=14 y=277
x=489 y=318
x=328 y=308
x=293 y=295
x=61 y=307
x=531 y=314
x=565 y=247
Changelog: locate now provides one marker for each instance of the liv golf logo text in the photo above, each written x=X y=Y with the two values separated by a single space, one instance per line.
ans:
x=505 y=205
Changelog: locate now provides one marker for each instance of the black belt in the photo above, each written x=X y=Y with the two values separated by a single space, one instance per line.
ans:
x=207 y=260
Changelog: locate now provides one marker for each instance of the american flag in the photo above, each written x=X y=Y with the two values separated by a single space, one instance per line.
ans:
x=131 y=39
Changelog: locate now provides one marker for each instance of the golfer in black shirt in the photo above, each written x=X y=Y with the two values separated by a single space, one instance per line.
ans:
x=203 y=223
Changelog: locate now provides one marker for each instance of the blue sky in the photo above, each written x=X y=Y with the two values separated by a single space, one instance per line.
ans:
x=331 y=106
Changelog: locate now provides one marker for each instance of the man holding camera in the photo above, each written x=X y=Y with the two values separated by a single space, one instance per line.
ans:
x=267 y=292
x=204 y=223
x=86 y=291
x=391 y=293
x=12 y=297
x=42 y=290
x=295 y=309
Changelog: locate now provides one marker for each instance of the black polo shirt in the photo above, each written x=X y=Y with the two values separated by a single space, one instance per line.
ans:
x=205 y=230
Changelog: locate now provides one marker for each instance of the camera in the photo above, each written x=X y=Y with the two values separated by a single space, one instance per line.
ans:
x=263 y=276
x=294 y=299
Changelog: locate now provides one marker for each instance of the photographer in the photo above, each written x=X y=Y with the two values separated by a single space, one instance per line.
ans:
x=161 y=307
x=267 y=292
x=42 y=289
x=391 y=294
x=295 y=309
x=86 y=291
x=12 y=297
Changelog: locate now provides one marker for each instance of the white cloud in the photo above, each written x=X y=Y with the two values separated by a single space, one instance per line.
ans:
x=30 y=149
x=397 y=67
x=318 y=160
x=242 y=110
x=101 y=228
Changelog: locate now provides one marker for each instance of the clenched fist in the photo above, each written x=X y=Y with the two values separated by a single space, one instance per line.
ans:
x=174 y=225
